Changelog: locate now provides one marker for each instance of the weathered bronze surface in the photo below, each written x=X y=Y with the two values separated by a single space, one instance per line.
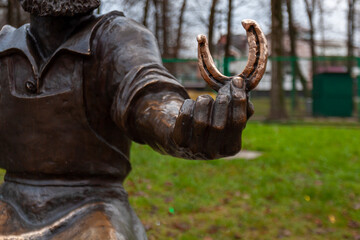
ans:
x=254 y=69
x=75 y=90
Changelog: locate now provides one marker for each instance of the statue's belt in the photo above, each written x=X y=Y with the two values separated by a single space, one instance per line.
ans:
x=57 y=180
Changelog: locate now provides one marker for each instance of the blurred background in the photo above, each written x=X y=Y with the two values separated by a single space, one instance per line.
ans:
x=298 y=176
x=312 y=71
x=313 y=67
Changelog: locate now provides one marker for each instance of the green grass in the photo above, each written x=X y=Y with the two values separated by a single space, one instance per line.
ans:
x=305 y=186
x=2 y=173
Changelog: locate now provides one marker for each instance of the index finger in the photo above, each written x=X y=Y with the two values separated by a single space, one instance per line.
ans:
x=239 y=102
x=238 y=116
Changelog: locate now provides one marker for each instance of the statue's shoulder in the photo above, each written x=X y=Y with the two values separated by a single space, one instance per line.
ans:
x=115 y=25
x=6 y=30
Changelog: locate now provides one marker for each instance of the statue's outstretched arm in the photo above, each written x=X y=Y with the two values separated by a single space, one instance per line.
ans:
x=201 y=129
x=206 y=128
x=152 y=108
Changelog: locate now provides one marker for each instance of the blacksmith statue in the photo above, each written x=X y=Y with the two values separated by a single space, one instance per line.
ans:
x=75 y=90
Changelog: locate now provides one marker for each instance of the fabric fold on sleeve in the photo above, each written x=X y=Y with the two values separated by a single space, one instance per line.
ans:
x=138 y=82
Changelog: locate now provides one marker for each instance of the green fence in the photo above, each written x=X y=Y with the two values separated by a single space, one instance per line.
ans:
x=333 y=95
x=298 y=104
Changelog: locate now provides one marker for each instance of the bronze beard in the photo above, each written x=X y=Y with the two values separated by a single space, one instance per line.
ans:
x=59 y=7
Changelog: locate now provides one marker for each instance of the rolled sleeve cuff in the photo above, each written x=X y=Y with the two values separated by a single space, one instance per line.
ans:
x=140 y=81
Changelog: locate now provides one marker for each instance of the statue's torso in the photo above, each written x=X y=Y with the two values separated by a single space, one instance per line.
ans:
x=44 y=126
x=65 y=152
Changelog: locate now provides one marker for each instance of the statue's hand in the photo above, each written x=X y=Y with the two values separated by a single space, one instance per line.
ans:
x=209 y=129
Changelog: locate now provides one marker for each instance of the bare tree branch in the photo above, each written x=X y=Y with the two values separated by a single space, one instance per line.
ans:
x=180 y=26
x=212 y=24
x=310 y=10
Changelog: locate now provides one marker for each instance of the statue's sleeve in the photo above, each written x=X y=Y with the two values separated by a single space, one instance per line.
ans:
x=147 y=97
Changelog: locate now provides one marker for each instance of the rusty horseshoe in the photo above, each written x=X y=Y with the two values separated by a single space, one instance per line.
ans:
x=255 y=67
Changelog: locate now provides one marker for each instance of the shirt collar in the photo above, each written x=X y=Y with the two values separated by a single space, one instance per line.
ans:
x=12 y=39
x=17 y=40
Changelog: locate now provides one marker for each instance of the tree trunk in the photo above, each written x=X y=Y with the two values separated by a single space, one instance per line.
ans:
x=310 y=8
x=229 y=32
x=157 y=20
x=15 y=15
x=350 y=35
x=277 y=100
x=179 y=33
x=228 y=41
x=322 y=25
x=18 y=13
x=146 y=12
x=165 y=28
x=10 y=13
x=293 y=37
x=212 y=24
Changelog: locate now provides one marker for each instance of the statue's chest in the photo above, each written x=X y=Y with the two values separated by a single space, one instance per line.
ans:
x=40 y=115
x=64 y=74
x=43 y=122
x=29 y=97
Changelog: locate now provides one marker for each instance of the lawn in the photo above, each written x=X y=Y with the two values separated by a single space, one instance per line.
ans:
x=305 y=186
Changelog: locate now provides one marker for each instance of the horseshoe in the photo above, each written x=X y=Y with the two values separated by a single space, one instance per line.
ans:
x=255 y=67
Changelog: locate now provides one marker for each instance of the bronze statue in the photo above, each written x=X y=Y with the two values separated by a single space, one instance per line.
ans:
x=75 y=90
